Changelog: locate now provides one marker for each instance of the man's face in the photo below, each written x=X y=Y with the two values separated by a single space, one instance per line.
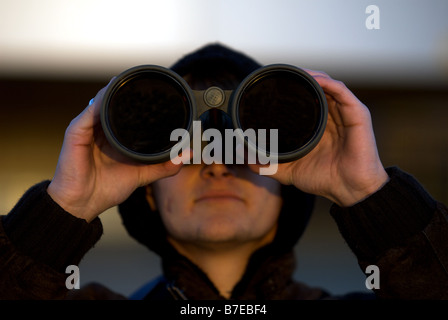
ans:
x=211 y=204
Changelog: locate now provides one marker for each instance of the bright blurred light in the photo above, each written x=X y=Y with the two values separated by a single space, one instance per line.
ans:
x=102 y=37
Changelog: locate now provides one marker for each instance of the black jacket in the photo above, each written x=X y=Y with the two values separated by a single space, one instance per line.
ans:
x=401 y=229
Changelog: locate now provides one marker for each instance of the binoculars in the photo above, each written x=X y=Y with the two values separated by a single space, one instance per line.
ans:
x=143 y=106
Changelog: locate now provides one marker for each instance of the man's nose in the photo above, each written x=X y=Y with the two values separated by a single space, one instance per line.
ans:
x=218 y=170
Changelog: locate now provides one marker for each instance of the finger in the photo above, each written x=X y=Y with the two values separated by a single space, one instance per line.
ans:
x=335 y=89
x=95 y=103
x=154 y=172
x=87 y=119
x=316 y=73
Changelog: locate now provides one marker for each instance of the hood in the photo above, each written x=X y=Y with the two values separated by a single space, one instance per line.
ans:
x=145 y=225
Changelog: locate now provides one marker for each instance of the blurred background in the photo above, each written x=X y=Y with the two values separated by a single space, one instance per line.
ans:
x=56 y=54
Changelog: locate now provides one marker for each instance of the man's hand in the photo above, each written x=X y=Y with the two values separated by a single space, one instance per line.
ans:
x=345 y=166
x=91 y=176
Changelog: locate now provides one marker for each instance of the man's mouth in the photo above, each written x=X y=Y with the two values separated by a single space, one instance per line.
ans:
x=219 y=196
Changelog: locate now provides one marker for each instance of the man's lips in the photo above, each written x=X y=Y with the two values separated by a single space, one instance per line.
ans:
x=219 y=195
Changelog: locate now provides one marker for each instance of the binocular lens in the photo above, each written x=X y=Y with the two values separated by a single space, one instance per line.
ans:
x=143 y=111
x=283 y=100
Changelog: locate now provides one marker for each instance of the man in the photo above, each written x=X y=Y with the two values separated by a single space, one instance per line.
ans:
x=223 y=231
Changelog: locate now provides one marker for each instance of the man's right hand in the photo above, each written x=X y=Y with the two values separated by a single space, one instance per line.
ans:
x=91 y=176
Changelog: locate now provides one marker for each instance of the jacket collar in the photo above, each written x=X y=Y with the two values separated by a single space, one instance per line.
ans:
x=265 y=274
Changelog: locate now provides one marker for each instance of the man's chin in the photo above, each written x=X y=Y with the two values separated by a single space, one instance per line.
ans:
x=221 y=231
